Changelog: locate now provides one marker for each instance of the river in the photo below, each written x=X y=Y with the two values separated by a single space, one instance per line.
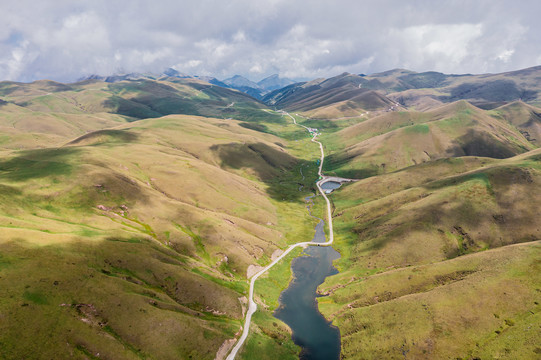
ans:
x=317 y=337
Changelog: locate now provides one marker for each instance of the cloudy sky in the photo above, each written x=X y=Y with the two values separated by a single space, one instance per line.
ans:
x=64 y=40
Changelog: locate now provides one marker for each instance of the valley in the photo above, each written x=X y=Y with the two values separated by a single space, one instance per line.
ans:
x=433 y=235
x=252 y=305
x=137 y=215
x=151 y=224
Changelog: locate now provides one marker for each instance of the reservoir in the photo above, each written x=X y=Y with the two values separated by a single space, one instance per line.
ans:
x=330 y=185
x=316 y=336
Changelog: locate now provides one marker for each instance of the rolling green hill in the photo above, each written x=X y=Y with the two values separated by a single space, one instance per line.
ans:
x=45 y=113
x=131 y=238
x=350 y=95
x=396 y=140
x=131 y=213
x=439 y=238
x=428 y=264
x=526 y=118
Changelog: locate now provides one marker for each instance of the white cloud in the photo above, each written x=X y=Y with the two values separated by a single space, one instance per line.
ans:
x=443 y=47
x=239 y=36
x=193 y=63
x=63 y=40
x=256 y=69
x=505 y=55
x=13 y=64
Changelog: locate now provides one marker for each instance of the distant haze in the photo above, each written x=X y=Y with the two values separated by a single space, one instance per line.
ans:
x=64 y=40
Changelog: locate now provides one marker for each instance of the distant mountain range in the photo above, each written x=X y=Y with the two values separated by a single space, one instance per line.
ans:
x=258 y=90
x=350 y=94
x=237 y=82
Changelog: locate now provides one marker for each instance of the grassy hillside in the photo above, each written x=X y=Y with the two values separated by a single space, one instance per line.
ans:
x=396 y=140
x=439 y=240
x=45 y=113
x=131 y=213
x=526 y=118
x=428 y=266
x=133 y=237
x=483 y=305
x=354 y=96
x=441 y=209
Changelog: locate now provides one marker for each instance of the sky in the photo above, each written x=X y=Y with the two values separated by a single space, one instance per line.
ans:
x=65 y=40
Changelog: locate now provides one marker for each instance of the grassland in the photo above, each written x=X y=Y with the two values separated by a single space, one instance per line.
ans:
x=350 y=95
x=439 y=260
x=524 y=117
x=130 y=213
x=439 y=255
x=483 y=305
x=125 y=238
x=430 y=89
x=439 y=239
x=396 y=140
x=333 y=98
x=45 y=113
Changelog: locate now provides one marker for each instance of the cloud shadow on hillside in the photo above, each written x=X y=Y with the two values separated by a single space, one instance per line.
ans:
x=475 y=143
x=335 y=163
x=271 y=165
x=105 y=136
x=39 y=163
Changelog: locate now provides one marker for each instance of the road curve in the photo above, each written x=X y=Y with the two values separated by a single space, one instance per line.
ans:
x=252 y=306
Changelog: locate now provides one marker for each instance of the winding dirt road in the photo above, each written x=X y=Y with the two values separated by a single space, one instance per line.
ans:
x=252 y=306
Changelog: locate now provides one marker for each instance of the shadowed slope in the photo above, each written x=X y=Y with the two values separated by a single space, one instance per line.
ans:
x=524 y=117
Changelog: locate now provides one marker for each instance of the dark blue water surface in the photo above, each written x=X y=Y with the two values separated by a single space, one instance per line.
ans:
x=316 y=336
